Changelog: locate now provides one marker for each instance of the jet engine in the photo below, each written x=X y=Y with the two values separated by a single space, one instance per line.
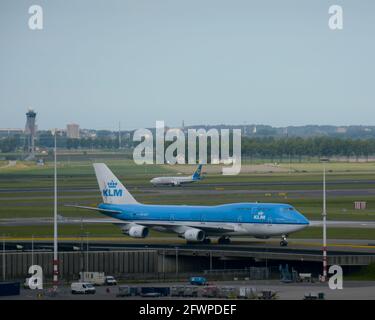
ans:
x=137 y=231
x=193 y=234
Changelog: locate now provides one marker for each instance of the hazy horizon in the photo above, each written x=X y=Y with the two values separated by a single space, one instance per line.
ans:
x=212 y=61
x=197 y=125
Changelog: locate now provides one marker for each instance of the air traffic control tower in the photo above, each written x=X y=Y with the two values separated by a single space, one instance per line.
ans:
x=30 y=131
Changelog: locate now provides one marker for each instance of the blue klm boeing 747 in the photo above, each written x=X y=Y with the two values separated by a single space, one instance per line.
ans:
x=194 y=223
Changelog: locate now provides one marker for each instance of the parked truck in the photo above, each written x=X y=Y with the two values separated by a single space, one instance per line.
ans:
x=95 y=278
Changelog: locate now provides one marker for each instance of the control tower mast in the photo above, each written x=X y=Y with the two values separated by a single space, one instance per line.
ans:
x=30 y=130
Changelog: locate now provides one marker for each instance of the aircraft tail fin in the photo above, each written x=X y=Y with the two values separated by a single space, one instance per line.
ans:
x=112 y=190
x=197 y=174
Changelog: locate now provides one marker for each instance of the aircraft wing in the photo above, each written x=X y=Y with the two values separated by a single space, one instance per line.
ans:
x=344 y=224
x=94 y=209
x=176 y=226
x=166 y=224
x=172 y=225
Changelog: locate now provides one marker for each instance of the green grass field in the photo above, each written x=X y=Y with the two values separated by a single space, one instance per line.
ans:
x=30 y=190
x=106 y=230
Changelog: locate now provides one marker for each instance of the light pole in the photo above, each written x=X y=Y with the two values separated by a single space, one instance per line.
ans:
x=32 y=250
x=324 y=215
x=210 y=260
x=82 y=258
x=87 y=251
x=3 y=257
x=119 y=135
x=177 y=262
x=163 y=265
x=55 y=254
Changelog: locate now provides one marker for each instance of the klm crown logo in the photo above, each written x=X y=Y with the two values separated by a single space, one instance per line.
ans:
x=112 y=185
x=111 y=190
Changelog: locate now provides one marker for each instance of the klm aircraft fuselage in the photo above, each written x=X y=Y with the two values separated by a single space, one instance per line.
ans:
x=259 y=219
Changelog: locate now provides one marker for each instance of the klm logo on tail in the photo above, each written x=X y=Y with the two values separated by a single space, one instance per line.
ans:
x=111 y=190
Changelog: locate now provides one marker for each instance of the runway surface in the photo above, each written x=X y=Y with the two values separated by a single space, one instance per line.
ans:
x=65 y=220
x=318 y=184
x=175 y=191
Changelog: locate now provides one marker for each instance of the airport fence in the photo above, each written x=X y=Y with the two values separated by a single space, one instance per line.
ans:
x=15 y=265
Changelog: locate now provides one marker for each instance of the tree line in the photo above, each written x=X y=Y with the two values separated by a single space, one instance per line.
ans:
x=279 y=148
x=267 y=147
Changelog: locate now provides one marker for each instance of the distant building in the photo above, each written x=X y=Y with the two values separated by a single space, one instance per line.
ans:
x=8 y=132
x=72 y=131
x=341 y=130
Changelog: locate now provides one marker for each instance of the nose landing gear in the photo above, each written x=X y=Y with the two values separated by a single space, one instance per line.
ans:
x=283 y=242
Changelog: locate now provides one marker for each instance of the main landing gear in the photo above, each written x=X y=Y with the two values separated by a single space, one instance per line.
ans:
x=283 y=242
x=224 y=240
x=207 y=241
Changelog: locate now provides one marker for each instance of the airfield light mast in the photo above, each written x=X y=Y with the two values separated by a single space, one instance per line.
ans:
x=324 y=215
x=55 y=256
x=87 y=251
x=119 y=135
x=4 y=257
x=32 y=250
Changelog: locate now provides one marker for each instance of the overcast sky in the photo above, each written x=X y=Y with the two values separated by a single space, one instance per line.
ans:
x=275 y=62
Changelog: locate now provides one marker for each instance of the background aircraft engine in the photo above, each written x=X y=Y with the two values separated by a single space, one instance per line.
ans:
x=194 y=235
x=138 y=232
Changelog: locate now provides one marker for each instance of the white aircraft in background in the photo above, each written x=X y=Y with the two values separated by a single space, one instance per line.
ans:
x=177 y=181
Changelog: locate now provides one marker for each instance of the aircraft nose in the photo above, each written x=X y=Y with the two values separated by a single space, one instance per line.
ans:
x=303 y=219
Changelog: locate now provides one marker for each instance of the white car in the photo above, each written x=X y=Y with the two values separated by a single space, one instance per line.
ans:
x=82 y=288
x=110 y=281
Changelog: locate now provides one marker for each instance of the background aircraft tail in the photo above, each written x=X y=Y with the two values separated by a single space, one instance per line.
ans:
x=197 y=173
x=112 y=190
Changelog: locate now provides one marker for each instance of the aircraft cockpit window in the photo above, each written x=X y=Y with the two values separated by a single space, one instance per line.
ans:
x=288 y=211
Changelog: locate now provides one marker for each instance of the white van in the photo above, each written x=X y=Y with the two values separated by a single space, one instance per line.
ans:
x=82 y=288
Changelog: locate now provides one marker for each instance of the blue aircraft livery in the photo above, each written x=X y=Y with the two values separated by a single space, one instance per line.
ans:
x=194 y=223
